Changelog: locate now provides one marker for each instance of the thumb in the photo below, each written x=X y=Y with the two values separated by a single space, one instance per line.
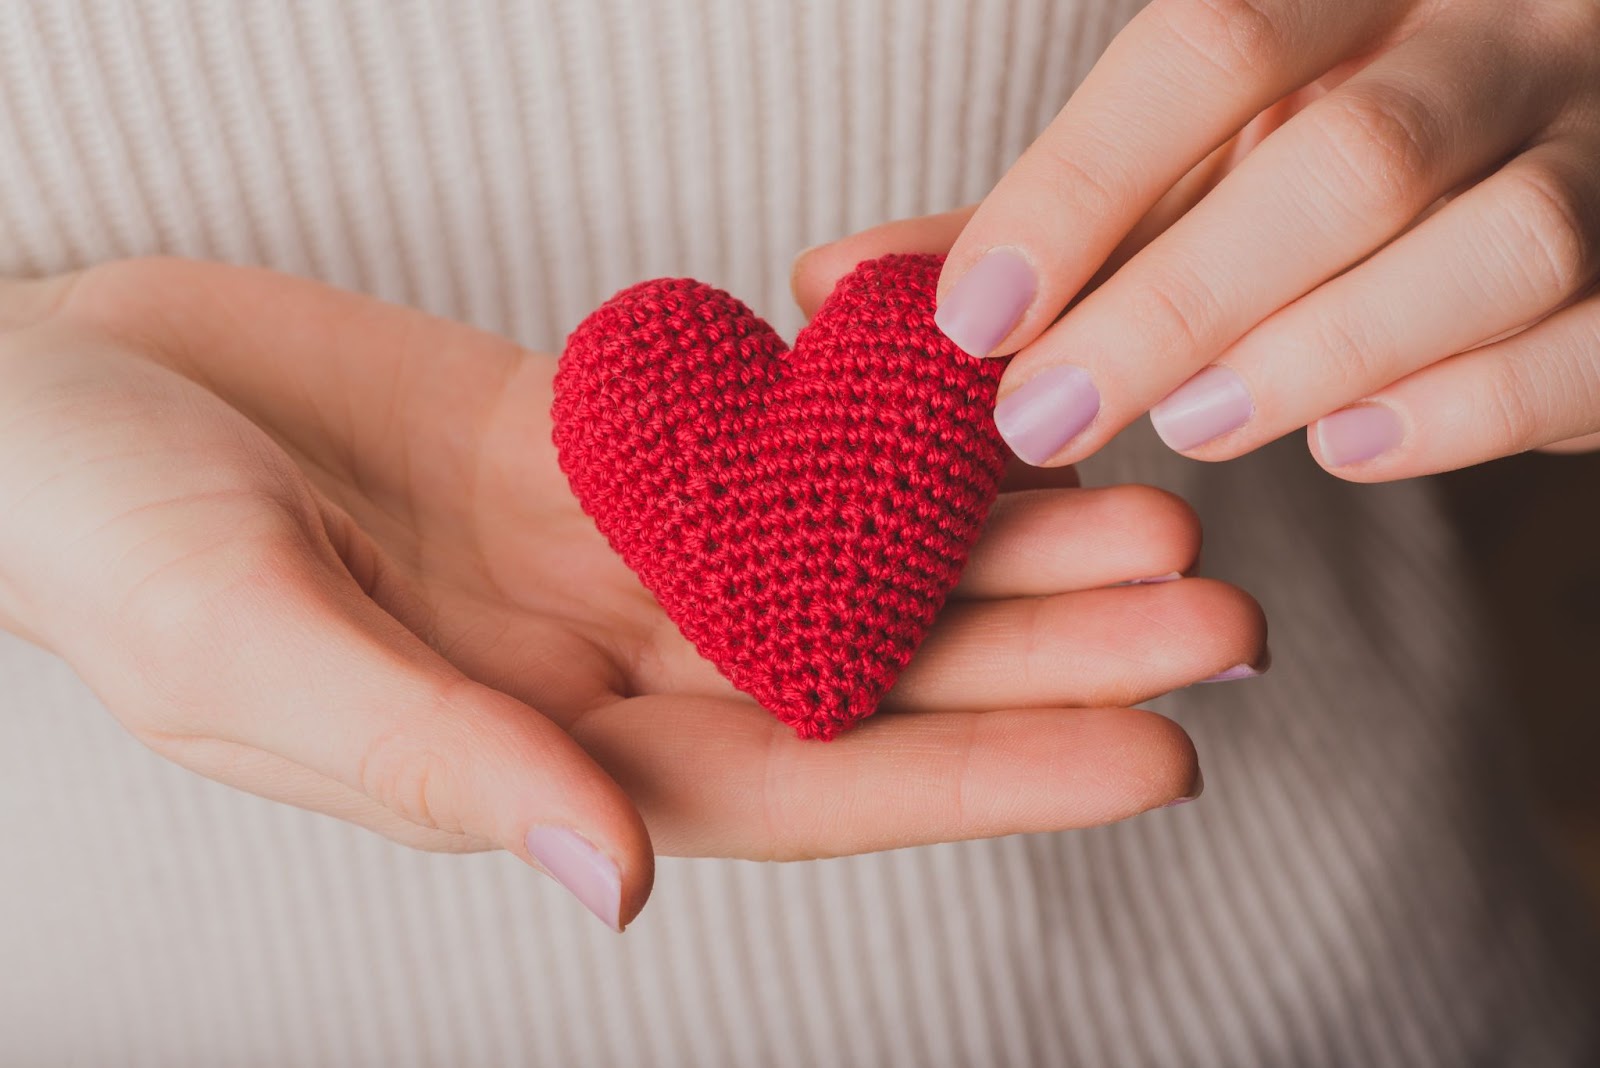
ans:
x=817 y=270
x=270 y=644
x=180 y=560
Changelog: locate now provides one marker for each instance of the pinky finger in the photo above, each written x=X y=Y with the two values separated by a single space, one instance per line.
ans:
x=1531 y=390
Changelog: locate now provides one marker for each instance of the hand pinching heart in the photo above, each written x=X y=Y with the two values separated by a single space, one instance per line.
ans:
x=802 y=514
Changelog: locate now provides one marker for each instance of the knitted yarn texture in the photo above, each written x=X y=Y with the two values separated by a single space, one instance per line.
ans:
x=802 y=514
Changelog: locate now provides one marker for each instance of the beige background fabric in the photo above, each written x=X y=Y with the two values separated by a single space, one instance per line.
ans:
x=1357 y=887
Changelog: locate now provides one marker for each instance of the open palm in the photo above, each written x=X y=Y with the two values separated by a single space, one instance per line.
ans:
x=320 y=549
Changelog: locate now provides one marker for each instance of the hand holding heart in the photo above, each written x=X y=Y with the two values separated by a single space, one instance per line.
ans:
x=1378 y=219
x=319 y=548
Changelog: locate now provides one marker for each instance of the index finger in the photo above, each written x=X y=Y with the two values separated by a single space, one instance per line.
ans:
x=1177 y=83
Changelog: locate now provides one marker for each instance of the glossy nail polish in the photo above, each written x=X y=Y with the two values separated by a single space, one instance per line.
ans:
x=577 y=865
x=987 y=302
x=1209 y=405
x=1039 y=417
x=1358 y=434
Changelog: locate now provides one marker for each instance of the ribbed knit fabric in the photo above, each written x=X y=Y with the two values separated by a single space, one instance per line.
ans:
x=801 y=514
x=1358 y=885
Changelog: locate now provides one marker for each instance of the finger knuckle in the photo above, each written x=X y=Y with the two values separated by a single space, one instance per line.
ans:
x=1176 y=311
x=406 y=776
x=1346 y=353
x=1510 y=411
x=784 y=836
x=1232 y=36
x=1087 y=191
x=966 y=813
x=1384 y=142
x=1559 y=382
x=1032 y=644
x=1553 y=221
x=1584 y=369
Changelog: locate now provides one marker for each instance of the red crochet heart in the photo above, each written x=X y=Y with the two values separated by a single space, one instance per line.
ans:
x=800 y=515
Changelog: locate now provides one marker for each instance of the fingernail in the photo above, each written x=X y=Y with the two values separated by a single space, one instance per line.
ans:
x=1038 y=418
x=582 y=869
x=1207 y=406
x=1234 y=674
x=986 y=303
x=1171 y=576
x=1199 y=788
x=1243 y=671
x=1356 y=434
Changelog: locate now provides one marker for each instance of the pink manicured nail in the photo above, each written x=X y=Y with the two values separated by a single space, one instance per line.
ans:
x=1048 y=410
x=1170 y=576
x=1356 y=434
x=1234 y=674
x=1243 y=671
x=1199 y=788
x=985 y=303
x=582 y=869
x=1207 y=406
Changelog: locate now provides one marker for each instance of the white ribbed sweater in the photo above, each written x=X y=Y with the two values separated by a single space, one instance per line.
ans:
x=1357 y=887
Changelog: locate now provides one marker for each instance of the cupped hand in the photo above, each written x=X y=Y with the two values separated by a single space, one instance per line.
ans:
x=318 y=547
x=1400 y=254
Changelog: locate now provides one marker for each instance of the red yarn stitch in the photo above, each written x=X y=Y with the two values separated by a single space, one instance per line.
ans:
x=800 y=515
